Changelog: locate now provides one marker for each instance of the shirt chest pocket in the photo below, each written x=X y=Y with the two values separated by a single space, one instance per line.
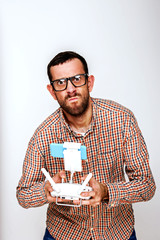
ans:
x=109 y=166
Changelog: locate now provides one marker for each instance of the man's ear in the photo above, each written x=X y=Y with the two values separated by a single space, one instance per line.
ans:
x=90 y=82
x=50 y=89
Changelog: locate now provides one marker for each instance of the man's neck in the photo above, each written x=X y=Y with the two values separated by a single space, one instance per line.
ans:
x=80 y=124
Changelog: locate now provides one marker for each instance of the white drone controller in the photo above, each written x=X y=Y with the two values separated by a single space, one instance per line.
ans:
x=72 y=153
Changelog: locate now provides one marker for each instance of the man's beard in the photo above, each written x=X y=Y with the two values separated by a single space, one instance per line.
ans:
x=75 y=110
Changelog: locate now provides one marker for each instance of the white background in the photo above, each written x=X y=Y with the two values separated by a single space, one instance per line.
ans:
x=120 y=41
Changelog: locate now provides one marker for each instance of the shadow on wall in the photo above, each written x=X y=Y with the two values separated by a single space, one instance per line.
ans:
x=0 y=137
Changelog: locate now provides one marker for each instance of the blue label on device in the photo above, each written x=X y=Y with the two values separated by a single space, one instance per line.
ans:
x=57 y=151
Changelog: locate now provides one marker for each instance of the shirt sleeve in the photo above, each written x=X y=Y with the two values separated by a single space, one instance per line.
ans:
x=141 y=185
x=30 y=190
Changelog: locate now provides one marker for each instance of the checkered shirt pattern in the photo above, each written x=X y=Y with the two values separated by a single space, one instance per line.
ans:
x=114 y=145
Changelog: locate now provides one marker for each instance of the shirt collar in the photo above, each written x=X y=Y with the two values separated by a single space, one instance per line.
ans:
x=66 y=127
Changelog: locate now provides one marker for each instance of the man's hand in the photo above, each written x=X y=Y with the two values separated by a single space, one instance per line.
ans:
x=48 y=189
x=99 y=193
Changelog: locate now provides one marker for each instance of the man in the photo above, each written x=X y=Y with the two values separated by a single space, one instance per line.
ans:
x=113 y=140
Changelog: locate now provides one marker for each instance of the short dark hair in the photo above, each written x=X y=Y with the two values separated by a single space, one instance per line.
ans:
x=64 y=57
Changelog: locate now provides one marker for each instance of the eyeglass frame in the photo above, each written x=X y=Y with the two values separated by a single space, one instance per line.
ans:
x=69 y=79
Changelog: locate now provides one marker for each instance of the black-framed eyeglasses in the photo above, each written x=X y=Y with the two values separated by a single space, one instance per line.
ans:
x=77 y=81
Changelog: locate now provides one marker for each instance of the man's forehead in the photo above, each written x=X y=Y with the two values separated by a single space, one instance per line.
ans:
x=67 y=69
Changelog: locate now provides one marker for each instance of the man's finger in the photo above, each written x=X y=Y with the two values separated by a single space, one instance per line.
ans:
x=58 y=177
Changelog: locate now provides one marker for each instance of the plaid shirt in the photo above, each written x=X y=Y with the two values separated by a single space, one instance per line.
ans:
x=113 y=141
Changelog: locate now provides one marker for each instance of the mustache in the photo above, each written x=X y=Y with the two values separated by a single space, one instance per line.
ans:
x=72 y=95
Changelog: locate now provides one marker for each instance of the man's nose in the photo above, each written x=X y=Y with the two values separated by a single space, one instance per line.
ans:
x=70 y=87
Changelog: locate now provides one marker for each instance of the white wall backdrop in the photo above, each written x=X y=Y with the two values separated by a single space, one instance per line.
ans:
x=120 y=41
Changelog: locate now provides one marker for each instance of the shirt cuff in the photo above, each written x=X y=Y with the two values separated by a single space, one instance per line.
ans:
x=42 y=191
x=114 y=194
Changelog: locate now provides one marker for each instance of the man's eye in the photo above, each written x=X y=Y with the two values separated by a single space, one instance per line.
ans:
x=77 y=78
x=61 y=82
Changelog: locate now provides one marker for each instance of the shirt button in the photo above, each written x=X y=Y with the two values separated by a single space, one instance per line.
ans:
x=112 y=205
x=91 y=229
x=92 y=215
